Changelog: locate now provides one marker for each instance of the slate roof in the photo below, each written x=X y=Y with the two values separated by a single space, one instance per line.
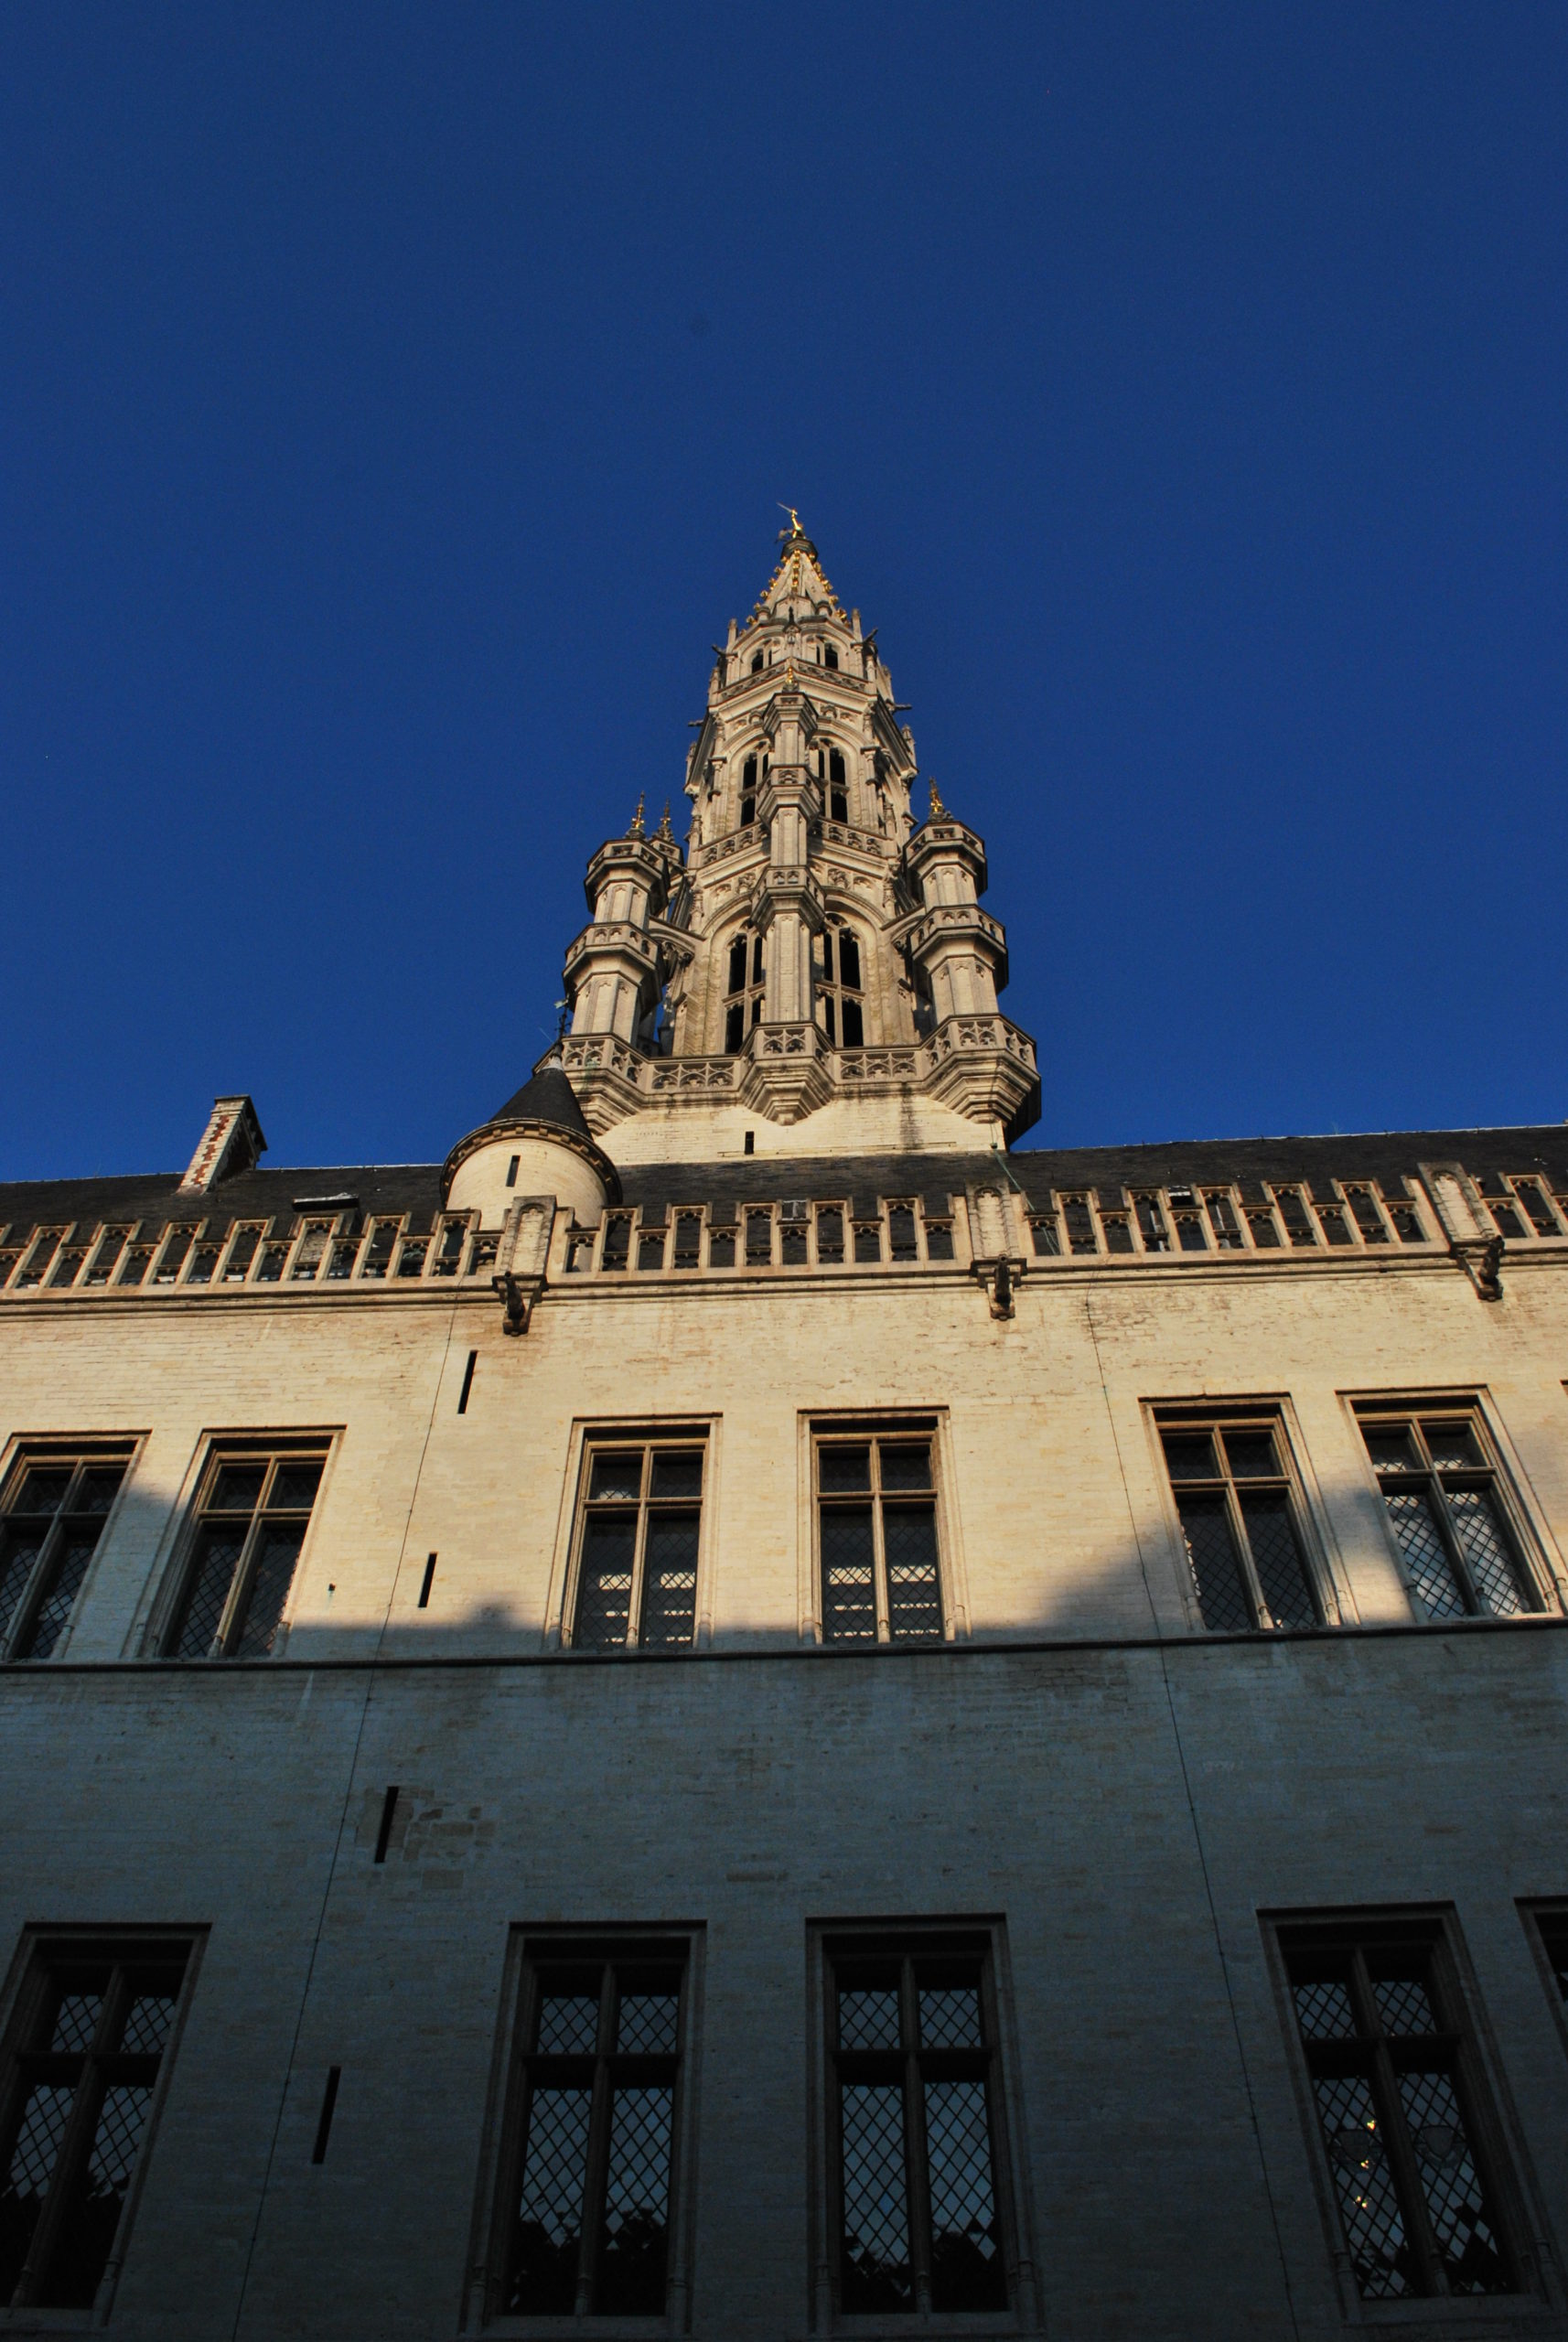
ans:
x=1385 y=1156
x=547 y=1097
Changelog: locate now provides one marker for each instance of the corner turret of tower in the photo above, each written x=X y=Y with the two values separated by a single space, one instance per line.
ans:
x=815 y=957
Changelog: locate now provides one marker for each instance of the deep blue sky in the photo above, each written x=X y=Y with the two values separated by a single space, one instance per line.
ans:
x=396 y=403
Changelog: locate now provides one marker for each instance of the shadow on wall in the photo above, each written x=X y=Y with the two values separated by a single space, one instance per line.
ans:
x=139 y=1597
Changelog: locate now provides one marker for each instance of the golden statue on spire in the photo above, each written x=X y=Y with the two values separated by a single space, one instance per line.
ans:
x=794 y=530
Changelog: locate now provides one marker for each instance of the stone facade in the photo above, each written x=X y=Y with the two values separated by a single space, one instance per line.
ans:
x=1119 y=1805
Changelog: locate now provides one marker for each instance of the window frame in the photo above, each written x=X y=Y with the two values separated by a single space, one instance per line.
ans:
x=529 y=1948
x=961 y=1937
x=84 y=1452
x=593 y=1437
x=1272 y=1412
x=1462 y=2036
x=41 y=1952
x=853 y=1427
x=1546 y=1926
x=833 y=993
x=1539 y=1577
x=174 y=1582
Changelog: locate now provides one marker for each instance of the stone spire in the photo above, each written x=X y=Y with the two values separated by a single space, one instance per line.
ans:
x=813 y=949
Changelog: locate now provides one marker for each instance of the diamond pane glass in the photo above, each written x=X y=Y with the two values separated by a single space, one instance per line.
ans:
x=906 y=1467
x=1454 y=1446
x=68 y=1568
x=1215 y=1571
x=21 y=1551
x=96 y=1491
x=295 y=1485
x=43 y=1489
x=679 y=1474
x=849 y=1595
x=1403 y=2004
x=648 y=2024
x=238 y=1487
x=1426 y=1556
x=1391 y=1449
x=1277 y=1558
x=875 y=2264
x=76 y=2022
x=914 y=1599
x=1323 y=2011
x=844 y=1467
x=869 y=2019
x=966 y=2259
x=616 y=1476
x=543 y=2277
x=1368 y=2208
x=212 y=1570
x=670 y=1580
x=568 y=2025
x=637 y=2201
x=147 y=2025
x=950 y=2017
x=32 y=2163
x=277 y=1550
x=1474 y=1514
x=118 y=2137
x=1251 y=1455
x=604 y=1596
x=1189 y=1455
x=1467 y=2234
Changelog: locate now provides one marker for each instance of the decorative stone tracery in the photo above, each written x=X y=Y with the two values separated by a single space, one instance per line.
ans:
x=932 y=960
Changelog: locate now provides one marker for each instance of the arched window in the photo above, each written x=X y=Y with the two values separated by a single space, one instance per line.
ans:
x=757 y=662
x=838 y=787
x=743 y=1002
x=829 y=656
x=843 y=1011
x=749 y=793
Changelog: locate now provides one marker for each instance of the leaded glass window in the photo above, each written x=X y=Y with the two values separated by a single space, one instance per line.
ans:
x=1440 y=1485
x=917 y=2199
x=1240 y=1521
x=876 y=1536
x=93 y=2027
x=638 y=1540
x=251 y=1513
x=1398 y=2095
x=52 y=1510
x=589 y=2180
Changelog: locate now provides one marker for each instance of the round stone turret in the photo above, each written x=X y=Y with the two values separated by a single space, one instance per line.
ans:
x=536 y=1144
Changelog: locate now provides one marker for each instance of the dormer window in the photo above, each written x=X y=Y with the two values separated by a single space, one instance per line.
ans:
x=843 y=1012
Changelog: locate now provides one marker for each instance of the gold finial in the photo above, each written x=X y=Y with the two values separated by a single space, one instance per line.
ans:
x=938 y=810
x=636 y=829
x=789 y=674
x=664 y=830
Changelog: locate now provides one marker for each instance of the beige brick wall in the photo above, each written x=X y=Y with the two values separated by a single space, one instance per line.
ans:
x=1126 y=1810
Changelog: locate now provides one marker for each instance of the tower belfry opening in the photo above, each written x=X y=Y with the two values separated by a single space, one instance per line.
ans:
x=815 y=948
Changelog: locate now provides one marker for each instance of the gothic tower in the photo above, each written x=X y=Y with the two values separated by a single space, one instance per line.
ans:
x=812 y=957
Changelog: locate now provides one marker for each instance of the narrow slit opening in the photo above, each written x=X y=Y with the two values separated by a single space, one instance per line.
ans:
x=389 y=1806
x=329 y=2100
